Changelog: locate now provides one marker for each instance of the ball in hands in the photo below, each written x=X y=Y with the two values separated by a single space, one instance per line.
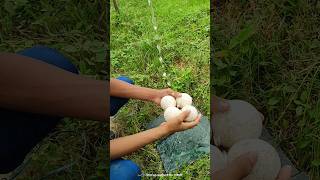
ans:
x=193 y=112
x=184 y=100
x=268 y=162
x=242 y=121
x=171 y=112
x=167 y=101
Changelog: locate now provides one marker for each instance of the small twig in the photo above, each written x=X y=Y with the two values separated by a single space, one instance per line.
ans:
x=293 y=96
x=58 y=170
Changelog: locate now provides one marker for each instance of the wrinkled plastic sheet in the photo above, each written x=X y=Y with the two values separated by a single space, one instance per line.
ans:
x=185 y=147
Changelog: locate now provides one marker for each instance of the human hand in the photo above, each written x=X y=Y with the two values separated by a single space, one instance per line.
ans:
x=222 y=105
x=219 y=105
x=242 y=166
x=179 y=124
x=160 y=93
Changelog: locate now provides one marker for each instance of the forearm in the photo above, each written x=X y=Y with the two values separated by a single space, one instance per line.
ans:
x=34 y=86
x=125 y=145
x=122 y=89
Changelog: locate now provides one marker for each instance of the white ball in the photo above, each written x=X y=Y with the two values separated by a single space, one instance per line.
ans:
x=218 y=159
x=242 y=121
x=183 y=100
x=171 y=112
x=167 y=101
x=193 y=112
x=268 y=162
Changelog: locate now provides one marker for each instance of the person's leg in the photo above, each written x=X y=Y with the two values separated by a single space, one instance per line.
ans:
x=50 y=56
x=20 y=131
x=115 y=102
x=124 y=169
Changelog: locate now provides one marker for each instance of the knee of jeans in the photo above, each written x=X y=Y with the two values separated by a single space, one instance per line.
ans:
x=124 y=169
x=50 y=56
x=126 y=79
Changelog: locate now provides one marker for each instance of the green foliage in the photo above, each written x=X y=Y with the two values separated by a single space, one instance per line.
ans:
x=243 y=35
x=183 y=29
x=75 y=28
x=267 y=53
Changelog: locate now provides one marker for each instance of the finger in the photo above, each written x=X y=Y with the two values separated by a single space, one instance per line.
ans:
x=183 y=115
x=242 y=166
x=284 y=173
x=174 y=93
x=219 y=105
x=163 y=123
x=261 y=116
x=188 y=125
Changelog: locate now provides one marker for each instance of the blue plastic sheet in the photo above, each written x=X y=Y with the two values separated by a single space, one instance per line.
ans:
x=185 y=147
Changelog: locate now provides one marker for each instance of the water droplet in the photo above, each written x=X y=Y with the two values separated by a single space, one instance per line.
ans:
x=155 y=27
x=159 y=49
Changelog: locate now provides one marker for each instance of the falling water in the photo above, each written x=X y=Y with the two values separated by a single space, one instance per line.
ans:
x=157 y=37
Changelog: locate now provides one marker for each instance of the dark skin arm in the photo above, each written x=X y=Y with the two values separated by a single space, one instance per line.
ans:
x=122 y=89
x=30 y=85
x=128 y=144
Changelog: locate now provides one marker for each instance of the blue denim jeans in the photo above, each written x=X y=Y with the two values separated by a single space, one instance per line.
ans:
x=122 y=169
x=115 y=102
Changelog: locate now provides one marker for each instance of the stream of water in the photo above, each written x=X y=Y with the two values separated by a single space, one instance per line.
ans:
x=157 y=37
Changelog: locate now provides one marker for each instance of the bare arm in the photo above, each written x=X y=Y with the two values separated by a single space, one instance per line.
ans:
x=128 y=144
x=119 y=88
x=33 y=86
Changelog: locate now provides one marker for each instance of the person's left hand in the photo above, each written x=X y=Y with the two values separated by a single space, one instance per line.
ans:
x=178 y=123
x=159 y=93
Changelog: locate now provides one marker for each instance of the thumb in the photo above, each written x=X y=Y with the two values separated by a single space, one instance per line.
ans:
x=285 y=173
x=183 y=115
x=242 y=166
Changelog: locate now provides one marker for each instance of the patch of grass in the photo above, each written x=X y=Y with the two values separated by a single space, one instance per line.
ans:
x=267 y=53
x=183 y=34
x=77 y=149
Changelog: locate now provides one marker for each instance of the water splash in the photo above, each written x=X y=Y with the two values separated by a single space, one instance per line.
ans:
x=159 y=48
x=160 y=59
x=158 y=40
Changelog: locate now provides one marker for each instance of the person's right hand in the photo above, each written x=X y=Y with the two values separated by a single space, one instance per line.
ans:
x=179 y=124
x=219 y=104
x=242 y=166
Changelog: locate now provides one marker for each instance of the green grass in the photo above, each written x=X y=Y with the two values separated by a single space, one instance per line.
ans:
x=78 y=149
x=183 y=34
x=267 y=53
